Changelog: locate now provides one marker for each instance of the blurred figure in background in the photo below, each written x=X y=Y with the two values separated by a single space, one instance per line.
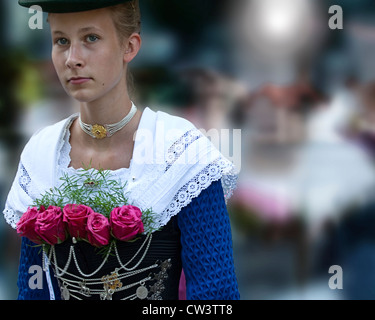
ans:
x=361 y=124
x=273 y=119
x=300 y=174
x=211 y=97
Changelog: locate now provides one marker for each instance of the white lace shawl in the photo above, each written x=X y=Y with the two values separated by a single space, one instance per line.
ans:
x=172 y=163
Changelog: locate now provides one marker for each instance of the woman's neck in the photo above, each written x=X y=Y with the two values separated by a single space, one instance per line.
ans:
x=107 y=110
x=109 y=153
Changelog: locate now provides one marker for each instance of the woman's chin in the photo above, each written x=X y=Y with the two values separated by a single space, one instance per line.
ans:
x=82 y=96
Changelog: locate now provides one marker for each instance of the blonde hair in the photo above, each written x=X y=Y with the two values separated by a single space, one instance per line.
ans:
x=126 y=18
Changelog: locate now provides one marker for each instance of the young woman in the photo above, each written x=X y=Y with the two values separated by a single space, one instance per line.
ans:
x=166 y=163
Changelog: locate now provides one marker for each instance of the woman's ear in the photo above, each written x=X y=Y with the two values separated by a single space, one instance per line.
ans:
x=132 y=47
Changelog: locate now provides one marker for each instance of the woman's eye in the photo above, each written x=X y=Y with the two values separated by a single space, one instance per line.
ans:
x=62 y=41
x=92 y=38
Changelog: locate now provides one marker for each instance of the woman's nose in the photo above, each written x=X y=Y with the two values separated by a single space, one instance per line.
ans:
x=74 y=59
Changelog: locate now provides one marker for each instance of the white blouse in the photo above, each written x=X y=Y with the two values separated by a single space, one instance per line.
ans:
x=172 y=163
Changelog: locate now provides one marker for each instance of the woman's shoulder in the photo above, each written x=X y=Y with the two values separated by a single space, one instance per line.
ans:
x=48 y=137
x=166 y=124
x=54 y=128
x=170 y=119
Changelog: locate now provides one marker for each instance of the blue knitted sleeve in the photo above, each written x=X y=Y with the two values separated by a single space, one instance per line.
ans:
x=207 y=253
x=30 y=287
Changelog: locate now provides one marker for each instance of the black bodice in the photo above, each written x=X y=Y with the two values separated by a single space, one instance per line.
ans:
x=153 y=273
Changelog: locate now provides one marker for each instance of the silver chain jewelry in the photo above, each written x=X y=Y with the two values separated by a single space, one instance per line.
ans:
x=61 y=271
x=111 y=284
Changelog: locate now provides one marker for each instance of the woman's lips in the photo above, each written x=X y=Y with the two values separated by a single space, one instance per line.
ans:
x=78 y=80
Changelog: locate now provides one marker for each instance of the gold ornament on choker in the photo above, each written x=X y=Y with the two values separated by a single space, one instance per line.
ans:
x=98 y=131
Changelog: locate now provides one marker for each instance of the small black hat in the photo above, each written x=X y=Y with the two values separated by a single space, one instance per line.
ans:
x=63 y=6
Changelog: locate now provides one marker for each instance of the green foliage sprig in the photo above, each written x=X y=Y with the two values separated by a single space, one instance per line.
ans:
x=93 y=188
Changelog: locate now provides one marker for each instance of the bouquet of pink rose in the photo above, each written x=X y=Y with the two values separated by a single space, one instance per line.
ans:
x=88 y=207
x=53 y=225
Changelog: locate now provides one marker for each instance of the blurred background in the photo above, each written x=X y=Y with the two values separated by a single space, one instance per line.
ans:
x=303 y=96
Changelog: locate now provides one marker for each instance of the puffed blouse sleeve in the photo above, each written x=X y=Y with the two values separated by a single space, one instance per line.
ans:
x=207 y=252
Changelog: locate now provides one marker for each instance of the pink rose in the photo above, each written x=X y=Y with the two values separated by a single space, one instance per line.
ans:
x=75 y=217
x=98 y=230
x=126 y=222
x=26 y=225
x=50 y=227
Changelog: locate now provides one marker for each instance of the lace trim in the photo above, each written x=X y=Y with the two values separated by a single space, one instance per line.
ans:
x=219 y=169
x=177 y=148
x=24 y=180
x=64 y=154
x=11 y=217
x=26 y=185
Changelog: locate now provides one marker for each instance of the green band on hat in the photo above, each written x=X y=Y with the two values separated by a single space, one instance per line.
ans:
x=64 y=6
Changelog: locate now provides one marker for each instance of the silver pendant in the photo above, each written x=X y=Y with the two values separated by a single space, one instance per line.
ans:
x=84 y=290
x=142 y=292
x=107 y=295
x=65 y=293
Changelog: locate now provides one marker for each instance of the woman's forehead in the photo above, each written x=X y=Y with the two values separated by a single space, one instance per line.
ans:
x=100 y=19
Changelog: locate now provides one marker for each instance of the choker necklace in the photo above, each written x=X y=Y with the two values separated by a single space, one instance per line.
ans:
x=98 y=131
